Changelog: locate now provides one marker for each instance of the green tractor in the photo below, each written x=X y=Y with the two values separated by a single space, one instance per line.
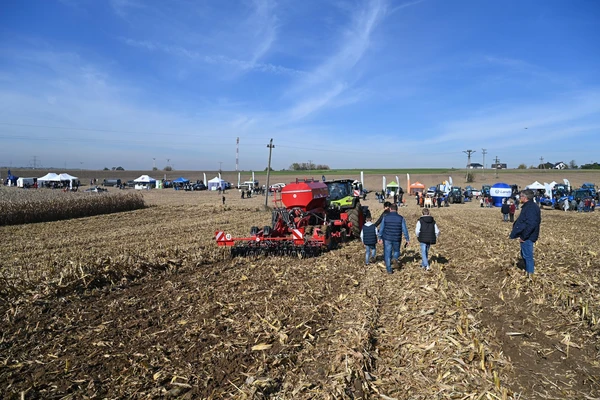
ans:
x=344 y=197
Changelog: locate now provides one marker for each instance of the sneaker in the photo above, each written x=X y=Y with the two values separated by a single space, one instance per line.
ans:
x=390 y=272
x=427 y=268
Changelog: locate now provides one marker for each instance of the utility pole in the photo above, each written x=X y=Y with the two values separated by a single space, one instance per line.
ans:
x=497 y=163
x=220 y=164
x=153 y=163
x=484 y=152
x=270 y=146
x=237 y=154
x=468 y=152
x=542 y=162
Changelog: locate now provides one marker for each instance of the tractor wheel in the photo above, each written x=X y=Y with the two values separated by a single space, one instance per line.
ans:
x=462 y=200
x=451 y=200
x=355 y=216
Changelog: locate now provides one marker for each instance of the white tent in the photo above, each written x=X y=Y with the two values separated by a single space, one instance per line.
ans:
x=215 y=183
x=49 y=177
x=67 y=177
x=535 y=186
x=144 y=179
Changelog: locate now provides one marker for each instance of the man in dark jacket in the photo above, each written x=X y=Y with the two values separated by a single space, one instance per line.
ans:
x=427 y=232
x=386 y=210
x=392 y=228
x=527 y=228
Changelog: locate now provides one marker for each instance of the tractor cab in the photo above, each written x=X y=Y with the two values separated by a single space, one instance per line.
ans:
x=341 y=193
x=344 y=198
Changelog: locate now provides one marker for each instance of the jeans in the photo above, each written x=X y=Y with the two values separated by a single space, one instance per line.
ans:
x=369 y=252
x=505 y=216
x=527 y=255
x=390 y=250
x=512 y=217
x=424 y=255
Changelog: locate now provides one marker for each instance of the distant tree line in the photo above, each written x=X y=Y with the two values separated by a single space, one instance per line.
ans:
x=590 y=166
x=114 y=169
x=307 y=166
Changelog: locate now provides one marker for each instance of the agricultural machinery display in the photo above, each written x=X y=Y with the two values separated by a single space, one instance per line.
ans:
x=309 y=217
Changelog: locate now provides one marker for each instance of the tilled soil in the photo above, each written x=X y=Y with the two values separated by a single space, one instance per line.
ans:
x=193 y=323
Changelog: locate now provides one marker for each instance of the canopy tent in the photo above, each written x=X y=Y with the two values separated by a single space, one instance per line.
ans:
x=144 y=179
x=67 y=177
x=181 y=180
x=416 y=187
x=535 y=186
x=216 y=183
x=49 y=177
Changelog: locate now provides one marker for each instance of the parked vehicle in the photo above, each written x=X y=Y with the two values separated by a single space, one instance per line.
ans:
x=456 y=195
x=276 y=187
x=96 y=189
x=111 y=182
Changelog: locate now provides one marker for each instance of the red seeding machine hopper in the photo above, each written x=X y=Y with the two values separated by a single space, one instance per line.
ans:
x=303 y=225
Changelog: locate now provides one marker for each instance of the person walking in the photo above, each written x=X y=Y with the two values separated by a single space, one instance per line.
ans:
x=511 y=210
x=427 y=232
x=505 y=209
x=368 y=236
x=527 y=228
x=392 y=228
x=386 y=210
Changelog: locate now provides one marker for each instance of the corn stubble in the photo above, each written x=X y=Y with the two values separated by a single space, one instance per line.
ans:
x=174 y=316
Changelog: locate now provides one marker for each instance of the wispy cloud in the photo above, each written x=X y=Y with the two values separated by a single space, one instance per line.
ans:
x=334 y=75
x=263 y=28
x=495 y=125
x=124 y=7
x=181 y=51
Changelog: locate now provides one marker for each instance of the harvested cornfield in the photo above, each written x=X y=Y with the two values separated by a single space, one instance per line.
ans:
x=18 y=206
x=144 y=305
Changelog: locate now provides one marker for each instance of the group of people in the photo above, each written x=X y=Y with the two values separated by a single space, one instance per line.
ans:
x=389 y=230
x=580 y=205
x=431 y=201
x=508 y=209
x=397 y=196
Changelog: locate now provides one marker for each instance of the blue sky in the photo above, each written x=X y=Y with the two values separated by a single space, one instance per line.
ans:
x=350 y=84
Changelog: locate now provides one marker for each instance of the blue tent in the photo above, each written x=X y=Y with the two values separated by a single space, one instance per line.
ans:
x=181 y=180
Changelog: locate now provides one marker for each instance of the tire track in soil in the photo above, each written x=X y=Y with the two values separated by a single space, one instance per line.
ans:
x=541 y=367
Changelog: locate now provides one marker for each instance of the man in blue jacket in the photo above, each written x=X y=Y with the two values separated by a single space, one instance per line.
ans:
x=391 y=230
x=527 y=228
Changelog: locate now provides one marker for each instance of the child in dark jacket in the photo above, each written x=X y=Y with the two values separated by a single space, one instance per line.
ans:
x=505 y=209
x=368 y=236
x=427 y=232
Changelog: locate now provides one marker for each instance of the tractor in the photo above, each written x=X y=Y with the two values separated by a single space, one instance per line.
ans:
x=344 y=197
x=304 y=222
x=456 y=195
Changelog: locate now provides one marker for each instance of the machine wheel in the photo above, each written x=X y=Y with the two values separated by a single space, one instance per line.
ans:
x=451 y=200
x=355 y=216
x=462 y=200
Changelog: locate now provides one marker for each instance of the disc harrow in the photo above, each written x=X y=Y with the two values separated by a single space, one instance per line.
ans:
x=301 y=226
